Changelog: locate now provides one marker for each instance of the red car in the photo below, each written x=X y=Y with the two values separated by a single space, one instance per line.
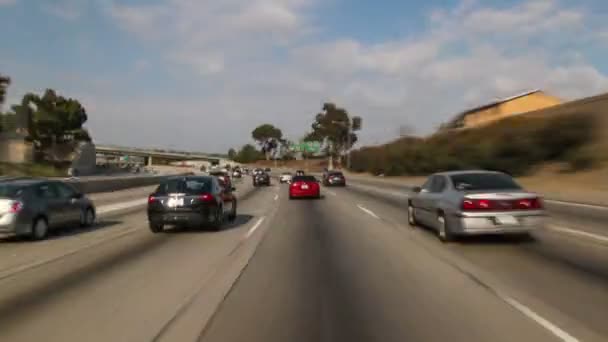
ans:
x=304 y=187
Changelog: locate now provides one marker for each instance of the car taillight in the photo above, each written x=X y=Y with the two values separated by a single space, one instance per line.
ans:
x=486 y=204
x=477 y=204
x=206 y=198
x=530 y=203
x=152 y=199
x=16 y=206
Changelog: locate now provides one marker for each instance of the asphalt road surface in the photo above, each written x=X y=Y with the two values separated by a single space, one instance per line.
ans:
x=343 y=268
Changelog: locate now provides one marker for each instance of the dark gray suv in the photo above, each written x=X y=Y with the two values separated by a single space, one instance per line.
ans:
x=31 y=207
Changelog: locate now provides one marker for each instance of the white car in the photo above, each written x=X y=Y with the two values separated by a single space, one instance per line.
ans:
x=285 y=177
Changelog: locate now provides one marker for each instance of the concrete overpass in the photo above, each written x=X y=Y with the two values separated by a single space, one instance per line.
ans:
x=149 y=155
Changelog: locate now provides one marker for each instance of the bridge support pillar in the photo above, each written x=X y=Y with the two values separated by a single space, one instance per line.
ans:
x=149 y=161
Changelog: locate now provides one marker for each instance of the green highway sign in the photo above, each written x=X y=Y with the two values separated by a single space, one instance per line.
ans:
x=306 y=146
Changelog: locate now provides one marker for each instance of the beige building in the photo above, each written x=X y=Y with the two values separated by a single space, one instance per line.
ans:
x=501 y=109
x=14 y=148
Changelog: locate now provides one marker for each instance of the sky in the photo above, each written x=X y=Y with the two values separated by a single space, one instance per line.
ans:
x=201 y=75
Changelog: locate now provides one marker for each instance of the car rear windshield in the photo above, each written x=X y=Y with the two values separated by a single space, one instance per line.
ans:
x=189 y=186
x=304 y=179
x=10 y=190
x=483 y=181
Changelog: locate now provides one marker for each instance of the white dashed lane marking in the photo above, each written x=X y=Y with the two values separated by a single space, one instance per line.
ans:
x=255 y=226
x=367 y=211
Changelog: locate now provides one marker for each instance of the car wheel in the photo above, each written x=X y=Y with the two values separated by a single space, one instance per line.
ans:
x=156 y=227
x=411 y=216
x=87 y=217
x=40 y=229
x=219 y=219
x=445 y=234
x=233 y=214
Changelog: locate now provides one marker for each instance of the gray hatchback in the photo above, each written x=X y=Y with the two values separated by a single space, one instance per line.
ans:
x=31 y=207
x=474 y=203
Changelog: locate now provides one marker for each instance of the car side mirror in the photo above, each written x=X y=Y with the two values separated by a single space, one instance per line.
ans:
x=232 y=189
x=416 y=189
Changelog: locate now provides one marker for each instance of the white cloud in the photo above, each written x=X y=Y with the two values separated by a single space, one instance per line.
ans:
x=530 y=17
x=468 y=55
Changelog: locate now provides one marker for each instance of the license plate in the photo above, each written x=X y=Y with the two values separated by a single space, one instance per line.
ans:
x=304 y=186
x=506 y=220
x=175 y=202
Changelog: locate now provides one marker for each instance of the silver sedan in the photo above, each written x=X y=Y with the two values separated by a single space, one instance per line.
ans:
x=474 y=203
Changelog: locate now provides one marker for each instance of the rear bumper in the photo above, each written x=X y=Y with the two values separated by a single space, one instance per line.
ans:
x=10 y=225
x=183 y=218
x=304 y=194
x=490 y=224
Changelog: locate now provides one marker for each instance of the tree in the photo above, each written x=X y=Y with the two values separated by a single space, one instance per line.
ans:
x=231 y=154
x=4 y=83
x=332 y=126
x=248 y=154
x=51 y=119
x=264 y=132
x=268 y=137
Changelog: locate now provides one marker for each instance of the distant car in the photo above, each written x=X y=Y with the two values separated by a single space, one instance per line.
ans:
x=268 y=170
x=475 y=203
x=300 y=173
x=257 y=171
x=304 y=187
x=31 y=208
x=261 y=179
x=236 y=174
x=223 y=176
x=334 y=178
x=194 y=201
x=285 y=177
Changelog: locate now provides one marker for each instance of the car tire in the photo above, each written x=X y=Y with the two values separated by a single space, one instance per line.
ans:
x=156 y=227
x=87 y=217
x=40 y=229
x=233 y=213
x=444 y=232
x=219 y=220
x=411 y=216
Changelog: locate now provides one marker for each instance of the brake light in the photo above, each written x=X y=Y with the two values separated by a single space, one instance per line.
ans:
x=502 y=205
x=531 y=203
x=152 y=199
x=206 y=198
x=16 y=206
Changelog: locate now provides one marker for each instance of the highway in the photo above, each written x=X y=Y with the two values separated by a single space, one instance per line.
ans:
x=346 y=267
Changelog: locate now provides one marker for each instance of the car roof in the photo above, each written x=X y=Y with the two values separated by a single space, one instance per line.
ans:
x=465 y=172
x=187 y=177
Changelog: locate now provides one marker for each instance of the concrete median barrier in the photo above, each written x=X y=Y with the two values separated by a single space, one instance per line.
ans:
x=108 y=184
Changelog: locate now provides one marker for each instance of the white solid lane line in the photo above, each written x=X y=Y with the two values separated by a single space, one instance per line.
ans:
x=554 y=329
x=581 y=205
x=255 y=226
x=578 y=233
x=276 y=197
x=367 y=211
